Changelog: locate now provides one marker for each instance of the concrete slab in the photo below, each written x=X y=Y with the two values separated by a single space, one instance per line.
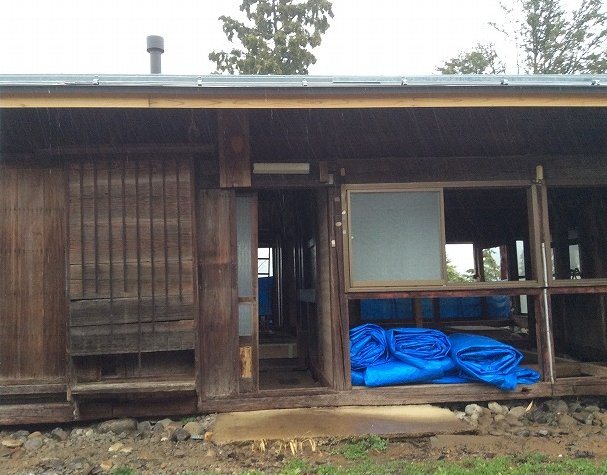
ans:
x=286 y=424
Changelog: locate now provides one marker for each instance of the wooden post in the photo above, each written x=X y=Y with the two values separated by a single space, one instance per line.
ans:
x=234 y=149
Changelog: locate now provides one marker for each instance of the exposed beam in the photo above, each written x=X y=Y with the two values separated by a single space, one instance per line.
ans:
x=268 y=99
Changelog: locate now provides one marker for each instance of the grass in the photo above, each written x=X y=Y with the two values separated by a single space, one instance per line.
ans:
x=359 y=449
x=530 y=464
x=124 y=471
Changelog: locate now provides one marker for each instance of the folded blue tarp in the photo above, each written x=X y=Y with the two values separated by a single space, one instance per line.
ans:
x=358 y=377
x=426 y=349
x=488 y=360
x=367 y=346
x=398 y=372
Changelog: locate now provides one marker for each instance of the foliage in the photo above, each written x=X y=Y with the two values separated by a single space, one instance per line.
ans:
x=124 y=471
x=360 y=448
x=548 y=39
x=491 y=267
x=276 y=37
x=454 y=276
x=482 y=59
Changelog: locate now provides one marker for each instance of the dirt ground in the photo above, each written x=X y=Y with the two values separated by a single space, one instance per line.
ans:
x=86 y=449
x=151 y=457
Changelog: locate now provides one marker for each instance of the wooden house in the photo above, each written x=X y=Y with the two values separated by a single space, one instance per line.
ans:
x=174 y=245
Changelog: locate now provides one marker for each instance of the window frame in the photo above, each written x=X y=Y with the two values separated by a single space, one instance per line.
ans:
x=352 y=286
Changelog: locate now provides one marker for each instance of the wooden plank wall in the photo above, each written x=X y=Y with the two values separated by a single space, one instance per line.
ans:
x=218 y=294
x=32 y=273
x=131 y=271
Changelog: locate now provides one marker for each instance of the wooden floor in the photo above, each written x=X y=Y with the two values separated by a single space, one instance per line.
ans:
x=284 y=373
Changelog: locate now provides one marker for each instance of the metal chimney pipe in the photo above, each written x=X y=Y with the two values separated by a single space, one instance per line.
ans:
x=155 y=48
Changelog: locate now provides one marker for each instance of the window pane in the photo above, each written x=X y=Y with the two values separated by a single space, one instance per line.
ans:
x=395 y=236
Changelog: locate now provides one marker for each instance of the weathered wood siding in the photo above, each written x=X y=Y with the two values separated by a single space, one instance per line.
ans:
x=32 y=273
x=131 y=269
x=218 y=327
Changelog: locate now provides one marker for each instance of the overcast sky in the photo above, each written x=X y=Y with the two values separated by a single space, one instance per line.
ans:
x=379 y=37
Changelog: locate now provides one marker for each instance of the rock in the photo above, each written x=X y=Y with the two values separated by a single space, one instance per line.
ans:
x=194 y=428
x=584 y=454
x=523 y=433
x=106 y=465
x=472 y=409
x=35 y=435
x=499 y=417
x=21 y=434
x=543 y=432
x=118 y=426
x=173 y=426
x=566 y=421
x=494 y=407
x=126 y=450
x=575 y=406
x=583 y=416
x=33 y=444
x=593 y=409
x=96 y=470
x=517 y=411
x=513 y=420
x=180 y=435
x=162 y=424
x=538 y=416
x=459 y=414
x=144 y=426
x=59 y=434
x=115 y=447
x=11 y=443
x=5 y=451
x=557 y=406
x=602 y=418
x=208 y=436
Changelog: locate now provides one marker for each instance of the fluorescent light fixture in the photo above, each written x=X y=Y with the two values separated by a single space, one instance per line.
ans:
x=281 y=168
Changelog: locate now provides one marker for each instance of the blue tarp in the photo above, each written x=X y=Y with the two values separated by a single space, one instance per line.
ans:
x=488 y=360
x=367 y=346
x=415 y=355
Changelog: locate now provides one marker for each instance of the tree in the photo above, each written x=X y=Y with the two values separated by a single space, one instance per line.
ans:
x=276 y=37
x=491 y=268
x=550 y=40
x=480 y=60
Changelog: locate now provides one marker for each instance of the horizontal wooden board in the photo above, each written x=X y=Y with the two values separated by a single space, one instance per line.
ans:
x=131 y=387
x=132 y=338
x=130 y=310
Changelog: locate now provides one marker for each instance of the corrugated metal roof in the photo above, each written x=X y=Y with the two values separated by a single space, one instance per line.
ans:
x=292 y=82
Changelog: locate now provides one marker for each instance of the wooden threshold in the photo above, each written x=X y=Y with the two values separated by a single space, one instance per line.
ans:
x=391 y=395
x=133 y=387
x=14 y=414
x=37 y=388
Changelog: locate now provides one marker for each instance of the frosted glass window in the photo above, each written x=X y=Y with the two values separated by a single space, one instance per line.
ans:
x=243 y=245
x=245 y=320
x=395 y=237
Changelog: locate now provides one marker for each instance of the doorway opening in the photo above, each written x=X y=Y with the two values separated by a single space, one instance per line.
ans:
x=290 y=332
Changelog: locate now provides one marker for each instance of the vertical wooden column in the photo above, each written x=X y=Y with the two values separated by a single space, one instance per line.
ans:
x=543 y=314
x=234 y=149
x=218 y=296
x=339 y=306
